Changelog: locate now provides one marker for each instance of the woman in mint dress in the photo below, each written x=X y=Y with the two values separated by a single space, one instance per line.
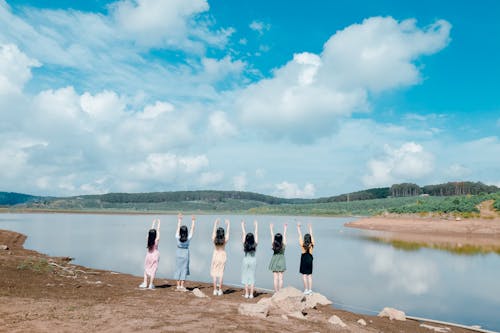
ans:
x=278 y=262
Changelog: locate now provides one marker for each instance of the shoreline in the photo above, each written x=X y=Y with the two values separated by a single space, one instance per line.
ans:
x=434 y=231
x=42 y=293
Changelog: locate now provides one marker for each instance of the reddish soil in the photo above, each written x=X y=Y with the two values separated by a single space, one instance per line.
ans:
x=46 y=294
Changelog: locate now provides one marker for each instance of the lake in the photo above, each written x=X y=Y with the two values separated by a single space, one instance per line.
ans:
x=357 y=274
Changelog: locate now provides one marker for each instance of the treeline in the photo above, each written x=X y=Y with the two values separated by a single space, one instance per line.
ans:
x=372 y=193
x=12 y=198
x=442 y=190
x=180 y=196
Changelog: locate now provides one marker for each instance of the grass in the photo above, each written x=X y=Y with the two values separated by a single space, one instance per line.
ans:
x=40 y=265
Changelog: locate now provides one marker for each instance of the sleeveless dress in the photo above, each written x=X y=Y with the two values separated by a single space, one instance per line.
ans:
x=151 y=260
x=219 y=258
x=182 y=259
x=248 y=268
x=306 y=259
x=278 y=263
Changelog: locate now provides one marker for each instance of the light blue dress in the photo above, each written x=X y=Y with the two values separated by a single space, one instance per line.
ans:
x=182 y=259
x=248 y=268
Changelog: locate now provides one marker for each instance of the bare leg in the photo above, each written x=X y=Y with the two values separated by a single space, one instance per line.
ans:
x=215 y=284
x=251 y=289
x=310 y=280
x=182 y=283
x=220 y=281
x=275 y=280
x=151 y=279
x=246 y=289
x=145 y=279
x=304 y=278
x=280 y=275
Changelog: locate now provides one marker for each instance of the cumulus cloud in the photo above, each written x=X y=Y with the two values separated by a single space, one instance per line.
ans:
x=220 y=125
x=167 y=166
x=311 y=91
x=211 y=178
x=15 y=69
x=406 y=163
x=292 y=190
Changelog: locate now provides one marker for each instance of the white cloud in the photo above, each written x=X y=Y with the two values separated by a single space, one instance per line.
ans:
x=219 y=69
x=309 y=93
x=106 y=105
x=408 y=163
x=220 y=126
x=458 y=171
x=167 y=167
x=292 y=190
x=211 y=178
x=240 y=182
x=15 y=69
x=154 y=111
x=260 y=27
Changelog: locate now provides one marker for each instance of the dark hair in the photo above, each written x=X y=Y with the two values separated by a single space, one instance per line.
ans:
x=307 y=244
x=220 y=239
x=278 y=243
x=183 y=233
x=151 y=239
x=249 y=246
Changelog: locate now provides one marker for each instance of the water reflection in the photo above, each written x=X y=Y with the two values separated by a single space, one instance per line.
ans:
x=453 y=247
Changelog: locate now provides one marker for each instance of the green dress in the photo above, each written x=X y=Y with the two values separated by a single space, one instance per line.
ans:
x=278 y=263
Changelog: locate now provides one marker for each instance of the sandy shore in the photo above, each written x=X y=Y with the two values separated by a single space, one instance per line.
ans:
x=45 y=294
x=478 y=233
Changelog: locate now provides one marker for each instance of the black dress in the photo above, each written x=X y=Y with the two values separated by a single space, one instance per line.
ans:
x=306 y=263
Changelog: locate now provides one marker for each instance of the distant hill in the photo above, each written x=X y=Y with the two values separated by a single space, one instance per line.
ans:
x=240 y=201
x=12 y=198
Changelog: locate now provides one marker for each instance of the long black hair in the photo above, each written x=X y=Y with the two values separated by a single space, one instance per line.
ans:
x=183 y=233
x=151 y=239
x=249 y=246
x=307 y=244
x=278 y=243
x=220 y=238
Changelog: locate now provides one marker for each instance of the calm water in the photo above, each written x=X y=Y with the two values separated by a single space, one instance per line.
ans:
x=357 y=274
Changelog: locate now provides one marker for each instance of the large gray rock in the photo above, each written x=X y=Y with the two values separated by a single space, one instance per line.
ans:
x=392 y=314
x=258 y=310
x=315 y=299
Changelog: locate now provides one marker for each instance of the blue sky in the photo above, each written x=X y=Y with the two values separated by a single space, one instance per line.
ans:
x=281 y=97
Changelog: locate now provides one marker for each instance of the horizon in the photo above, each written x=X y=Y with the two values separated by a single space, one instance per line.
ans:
x=285 y=99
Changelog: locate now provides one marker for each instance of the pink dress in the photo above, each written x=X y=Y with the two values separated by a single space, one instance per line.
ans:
x=152 y=259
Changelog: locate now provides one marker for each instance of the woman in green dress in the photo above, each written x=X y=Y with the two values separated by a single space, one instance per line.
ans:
x=278 y=263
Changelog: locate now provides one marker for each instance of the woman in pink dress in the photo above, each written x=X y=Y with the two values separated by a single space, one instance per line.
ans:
x=152 y=256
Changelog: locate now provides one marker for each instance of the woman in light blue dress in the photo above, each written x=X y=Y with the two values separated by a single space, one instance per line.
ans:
x=182 y=253
x=249 y=260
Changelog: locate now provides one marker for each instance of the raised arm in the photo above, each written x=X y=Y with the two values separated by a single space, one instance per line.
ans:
x=158 y=230
x=284 y=233
x=271 y=227
x=216 y=222
x=193 y=220
x=256 y=231
x=309 y=226
x=300 y=233
x=243 y=232
x=153 y=224
x=179 y=220
x=227 y=229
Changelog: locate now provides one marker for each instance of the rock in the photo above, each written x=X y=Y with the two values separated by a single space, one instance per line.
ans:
x=362 y=322
x=297 y=314
x=314 y=299
x=436 y=328
x=287 y=300
x=258 y=310
x=198 y=293
x=4 y=247
x=393 y=314
x=334 y=320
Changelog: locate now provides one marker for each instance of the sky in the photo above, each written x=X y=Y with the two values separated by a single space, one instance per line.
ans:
x=285 y=98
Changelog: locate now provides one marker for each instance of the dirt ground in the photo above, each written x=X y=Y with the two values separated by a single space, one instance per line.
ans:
x=47 y=294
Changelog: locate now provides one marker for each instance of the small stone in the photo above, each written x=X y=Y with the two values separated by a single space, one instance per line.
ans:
x=362 y=322
x=336 y=321
x=393 y=314
x=4 y=247
x=198 y=293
